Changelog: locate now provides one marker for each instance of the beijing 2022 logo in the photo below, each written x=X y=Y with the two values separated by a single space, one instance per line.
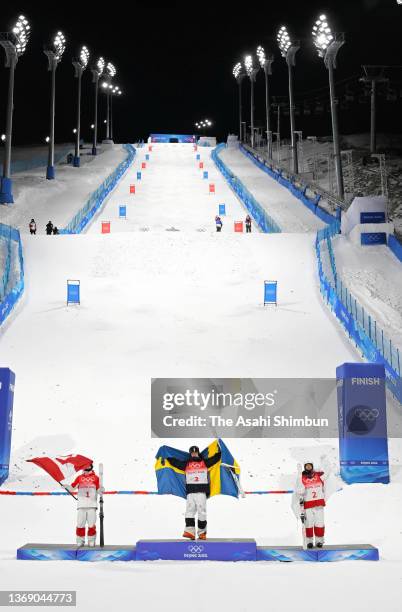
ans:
x=361 y=420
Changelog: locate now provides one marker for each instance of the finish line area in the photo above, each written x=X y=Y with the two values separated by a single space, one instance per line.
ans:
x=206 y=550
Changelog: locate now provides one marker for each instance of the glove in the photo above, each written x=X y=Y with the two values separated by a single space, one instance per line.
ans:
x=302 y=517
x=301 y=501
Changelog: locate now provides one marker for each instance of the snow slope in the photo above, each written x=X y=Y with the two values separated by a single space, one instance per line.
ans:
x=374 y=276
x=290 y=214
x=172 y=194
x=59 y=199
x=169 y=304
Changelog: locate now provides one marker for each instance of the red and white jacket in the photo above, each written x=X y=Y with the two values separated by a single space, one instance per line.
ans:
x=312 y=489
x=87 y=485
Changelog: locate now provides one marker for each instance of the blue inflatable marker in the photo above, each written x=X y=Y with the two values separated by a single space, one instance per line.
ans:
x=222 y=209
x=198 y=157
x=147 y=157
x=138 y=176
x=73 y=292
x=205 y=175
x=123 y=212
x=270 y=292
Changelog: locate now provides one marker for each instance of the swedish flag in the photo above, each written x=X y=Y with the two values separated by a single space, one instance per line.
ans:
x=223 y=476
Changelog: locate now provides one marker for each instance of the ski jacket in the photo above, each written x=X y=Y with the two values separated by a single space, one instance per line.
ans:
x=32 y=226
x=87 y=486
x=196 y=472
x=218 y=222
x=311 y=489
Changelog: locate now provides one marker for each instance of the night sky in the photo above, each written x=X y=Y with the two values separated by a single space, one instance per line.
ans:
x=175 y=61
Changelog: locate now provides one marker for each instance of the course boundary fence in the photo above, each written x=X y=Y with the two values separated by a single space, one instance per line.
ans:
x=259 y=214
x=10 y=290
x=361 y=327
x=79 y=222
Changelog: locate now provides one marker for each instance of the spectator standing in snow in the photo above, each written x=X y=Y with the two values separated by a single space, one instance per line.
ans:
x=55 y=230
x=49 y=228
x=248 y=224
x=32 y=227
x=218 y=223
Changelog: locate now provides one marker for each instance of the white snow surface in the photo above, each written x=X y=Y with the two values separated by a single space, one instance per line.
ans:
x=374 y=276
x=289 y=213
x=60 y=199
x=161 y=303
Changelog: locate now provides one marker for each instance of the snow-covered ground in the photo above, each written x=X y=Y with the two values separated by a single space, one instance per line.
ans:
x=172 y=194
x=374 y=275
x=58 y=200
x=290 y=214
x=182 y=303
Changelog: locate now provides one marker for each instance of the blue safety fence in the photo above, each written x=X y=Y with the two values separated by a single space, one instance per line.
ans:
x=12 y=272
x=360 y=326
x=300 y=193
x=96 y=199
x=395 y=246
x=260 y=216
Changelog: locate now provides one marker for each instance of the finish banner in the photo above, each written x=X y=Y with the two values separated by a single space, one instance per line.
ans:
x=7 y=381
x=362 y=416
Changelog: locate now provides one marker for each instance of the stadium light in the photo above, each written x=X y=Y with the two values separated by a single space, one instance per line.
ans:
x=239 y=75
x=266 y=60
x=97 y=72
x=328 y=44
x=54 y=53
x=80 y=65
x=251 y=70
x=14 y=44
x=288 y=49
x=115 y=91
x=110 y=73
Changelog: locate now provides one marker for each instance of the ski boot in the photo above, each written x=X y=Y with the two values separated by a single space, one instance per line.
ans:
x=310 y=545
x=188 y=535
x=202 y=535
x=320 y=544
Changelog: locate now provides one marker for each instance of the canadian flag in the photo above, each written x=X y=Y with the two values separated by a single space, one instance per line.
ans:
x=62 y=468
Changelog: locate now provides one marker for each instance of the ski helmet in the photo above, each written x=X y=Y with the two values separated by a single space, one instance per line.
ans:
x=194 y=449
x=312 y=467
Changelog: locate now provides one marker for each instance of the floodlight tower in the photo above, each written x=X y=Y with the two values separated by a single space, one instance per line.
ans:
x=79 y=65
x=115 y=91
x=54 y=53
x=239 y=75
x=328 y=45
x=288 y=49
x=251 y=70
x=14 y=44
x=266 y=61
x=110 y=73
x=97 y=72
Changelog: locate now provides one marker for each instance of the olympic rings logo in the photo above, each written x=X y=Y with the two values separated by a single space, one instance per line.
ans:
x=195 y=548
x=367 y=414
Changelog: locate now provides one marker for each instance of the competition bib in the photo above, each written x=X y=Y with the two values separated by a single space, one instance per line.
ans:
x=196 y=473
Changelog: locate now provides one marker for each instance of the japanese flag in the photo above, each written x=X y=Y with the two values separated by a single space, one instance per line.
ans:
x=62 y=468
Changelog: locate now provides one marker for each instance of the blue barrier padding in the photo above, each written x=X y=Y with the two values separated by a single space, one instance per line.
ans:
x=260 y=216
x=9 y=296
x=95 y=201
x=395 y=246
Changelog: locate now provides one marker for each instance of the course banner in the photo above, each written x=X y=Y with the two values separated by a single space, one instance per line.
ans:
x=7 y=382
x=175 y=138
x=362 y=416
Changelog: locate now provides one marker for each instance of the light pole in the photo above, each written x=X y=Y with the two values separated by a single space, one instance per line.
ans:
x=79 y=66
x=97 y=72
x=14 y=44
x=54 y=54
x=266 y=62
x=110 y=73
x=239 y=75
x=252 y=74
x=328 y=45
x=116 y=91
x=374 y=75
x=288 y=51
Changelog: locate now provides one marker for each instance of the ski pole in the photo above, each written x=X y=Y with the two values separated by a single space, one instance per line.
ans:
x=101 y=514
